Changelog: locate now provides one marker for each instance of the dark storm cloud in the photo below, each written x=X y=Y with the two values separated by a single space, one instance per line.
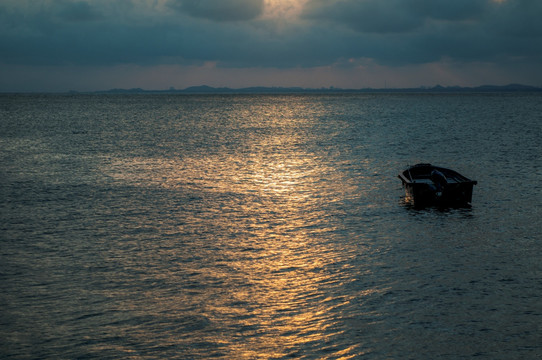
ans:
x=417 y=31
x=238 y=33
x=393 y=16
x=519 y=19
x=79 y=11
x=366 y=16
x=223 y=10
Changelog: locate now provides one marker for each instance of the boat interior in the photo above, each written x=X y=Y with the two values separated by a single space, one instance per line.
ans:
x=422 y=174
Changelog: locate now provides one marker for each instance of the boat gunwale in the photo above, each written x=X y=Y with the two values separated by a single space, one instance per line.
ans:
x=456 y=176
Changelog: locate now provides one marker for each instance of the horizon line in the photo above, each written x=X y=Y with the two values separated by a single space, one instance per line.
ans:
x=206 y=89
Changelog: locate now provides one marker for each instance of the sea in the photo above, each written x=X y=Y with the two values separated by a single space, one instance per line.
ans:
x=267 y=226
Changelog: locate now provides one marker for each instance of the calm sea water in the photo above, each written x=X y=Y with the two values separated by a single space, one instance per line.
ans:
x=267 y=227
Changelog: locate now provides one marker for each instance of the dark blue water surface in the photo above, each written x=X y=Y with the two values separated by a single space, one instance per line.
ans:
x=267 y=227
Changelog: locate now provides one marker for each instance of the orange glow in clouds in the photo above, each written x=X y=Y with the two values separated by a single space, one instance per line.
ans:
x=283 y=8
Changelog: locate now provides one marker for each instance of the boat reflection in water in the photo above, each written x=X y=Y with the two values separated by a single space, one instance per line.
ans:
x=427 y=185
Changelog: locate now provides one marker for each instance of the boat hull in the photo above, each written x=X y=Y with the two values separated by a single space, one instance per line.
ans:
x=421 y=190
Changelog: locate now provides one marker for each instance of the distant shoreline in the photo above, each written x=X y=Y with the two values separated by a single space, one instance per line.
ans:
x=204 y=89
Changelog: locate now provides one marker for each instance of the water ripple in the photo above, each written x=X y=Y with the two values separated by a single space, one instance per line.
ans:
x=266 y=227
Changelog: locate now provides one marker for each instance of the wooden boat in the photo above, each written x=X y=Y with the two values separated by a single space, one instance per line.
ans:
x=427 y=185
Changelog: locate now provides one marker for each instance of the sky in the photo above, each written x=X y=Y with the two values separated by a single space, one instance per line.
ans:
x=87 y=45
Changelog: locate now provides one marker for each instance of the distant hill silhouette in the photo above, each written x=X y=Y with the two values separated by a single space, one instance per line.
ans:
x=204 y=89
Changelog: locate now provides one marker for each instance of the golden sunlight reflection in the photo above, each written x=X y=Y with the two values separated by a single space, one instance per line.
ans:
x=276 y=273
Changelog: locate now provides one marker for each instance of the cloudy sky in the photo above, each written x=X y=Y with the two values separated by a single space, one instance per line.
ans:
x=59 y=45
